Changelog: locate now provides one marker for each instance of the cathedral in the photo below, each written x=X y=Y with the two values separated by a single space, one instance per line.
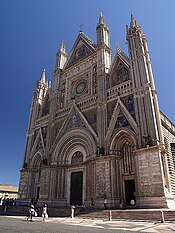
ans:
x=96 y=131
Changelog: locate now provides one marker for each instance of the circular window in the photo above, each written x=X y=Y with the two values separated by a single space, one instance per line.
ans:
x=80 y=87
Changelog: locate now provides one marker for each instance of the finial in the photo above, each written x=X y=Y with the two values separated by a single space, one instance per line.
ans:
x=133 y=22
x=62 y=46
x=101 y=19
x=81 y=26
x=118 y=47
x=43 y=77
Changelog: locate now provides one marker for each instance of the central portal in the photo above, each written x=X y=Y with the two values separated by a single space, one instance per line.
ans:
x=76 y=189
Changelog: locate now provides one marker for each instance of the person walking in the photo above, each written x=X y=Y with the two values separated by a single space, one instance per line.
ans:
x=92 y=203
x=31 y=213
x=105 y=203
x=132 y=202
x=44 y=213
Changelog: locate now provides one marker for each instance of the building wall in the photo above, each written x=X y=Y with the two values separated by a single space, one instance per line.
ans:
x=169 y=140
x=99 y=123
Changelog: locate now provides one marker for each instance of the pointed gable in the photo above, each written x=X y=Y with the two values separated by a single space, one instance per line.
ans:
x=121 y=117
x=82 y=48
x=119 y=69
x=40 y=141
x=75 y=119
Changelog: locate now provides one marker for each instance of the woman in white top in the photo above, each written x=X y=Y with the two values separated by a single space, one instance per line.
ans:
x=44 y=213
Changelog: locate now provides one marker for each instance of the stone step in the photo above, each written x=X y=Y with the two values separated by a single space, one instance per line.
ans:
x=129 y=214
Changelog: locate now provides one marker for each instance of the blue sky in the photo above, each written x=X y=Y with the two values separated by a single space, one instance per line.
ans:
x=30 y=35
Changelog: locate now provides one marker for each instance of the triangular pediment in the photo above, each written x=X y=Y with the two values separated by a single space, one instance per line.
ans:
x=120 y=118
x=119 y=57
x=40 y=142
x=119 y=71
x=82 y=48
x=75 y=119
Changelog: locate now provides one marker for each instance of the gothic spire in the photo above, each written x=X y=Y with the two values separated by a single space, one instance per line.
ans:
x=102 y=20
x=61 y=56
x=43 y=77
x=102 y=31
x=133 y=22
x=62 y=47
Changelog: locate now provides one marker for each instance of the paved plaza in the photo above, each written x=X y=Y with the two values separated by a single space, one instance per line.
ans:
x=63 y=225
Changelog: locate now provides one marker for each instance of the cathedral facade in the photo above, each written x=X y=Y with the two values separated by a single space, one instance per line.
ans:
x=97 y=132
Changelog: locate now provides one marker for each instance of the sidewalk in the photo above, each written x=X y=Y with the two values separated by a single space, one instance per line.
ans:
x=123 y=225
x=143 y=226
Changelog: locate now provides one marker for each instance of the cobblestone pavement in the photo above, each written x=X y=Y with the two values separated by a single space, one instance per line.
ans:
x=20 y=224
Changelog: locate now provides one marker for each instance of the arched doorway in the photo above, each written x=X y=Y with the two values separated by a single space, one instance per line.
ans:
x=123 y=144
x=35 y=178
x=76 y=181
x=128 y=173
x=71 y=153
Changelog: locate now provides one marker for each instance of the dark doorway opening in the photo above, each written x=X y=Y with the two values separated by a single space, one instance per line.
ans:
x=37 y=195
x=129 y=191
x=76 y=189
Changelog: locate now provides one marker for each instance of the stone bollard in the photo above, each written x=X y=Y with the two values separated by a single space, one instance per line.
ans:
x=110 y=215
x=72 y=211
x=163 y=219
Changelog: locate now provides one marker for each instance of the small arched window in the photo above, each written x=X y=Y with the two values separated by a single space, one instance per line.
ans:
x=77 y=157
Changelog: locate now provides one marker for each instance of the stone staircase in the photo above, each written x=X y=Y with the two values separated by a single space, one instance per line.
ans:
x=124 y=214
x=135 y=215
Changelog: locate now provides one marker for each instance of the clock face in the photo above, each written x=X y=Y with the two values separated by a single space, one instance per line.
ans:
x=80 y=87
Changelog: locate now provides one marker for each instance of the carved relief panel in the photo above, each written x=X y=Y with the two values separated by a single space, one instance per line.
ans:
x=150 y=174
x=102 y=179
x=23 y=185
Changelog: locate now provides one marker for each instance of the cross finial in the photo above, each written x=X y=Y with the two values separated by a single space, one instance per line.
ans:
x=117 y=46
x=81 y=27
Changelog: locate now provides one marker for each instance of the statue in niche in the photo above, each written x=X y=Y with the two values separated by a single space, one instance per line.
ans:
x=148 y=140
x=100 y=151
